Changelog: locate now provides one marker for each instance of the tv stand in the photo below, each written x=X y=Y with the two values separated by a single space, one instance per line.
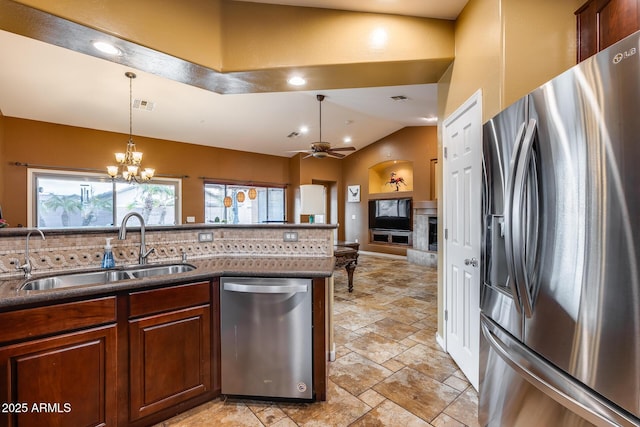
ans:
x=391 y=237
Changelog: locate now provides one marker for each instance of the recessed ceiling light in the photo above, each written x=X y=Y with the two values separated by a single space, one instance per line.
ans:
x=106 y=47
x=430 y=119
x=346 y=139
x=297 y=81
x=304 y=129
x=378 y=38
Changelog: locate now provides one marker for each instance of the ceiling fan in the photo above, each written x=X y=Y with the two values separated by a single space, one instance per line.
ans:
x=321 y=149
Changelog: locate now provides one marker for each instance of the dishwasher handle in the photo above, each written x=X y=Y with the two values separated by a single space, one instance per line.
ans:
x=264 y=289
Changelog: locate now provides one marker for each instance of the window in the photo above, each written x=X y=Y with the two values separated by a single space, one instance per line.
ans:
x=268 y=206
x=71 y=199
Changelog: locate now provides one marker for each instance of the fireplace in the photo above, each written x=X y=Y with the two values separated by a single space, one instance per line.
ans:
x=425 y=234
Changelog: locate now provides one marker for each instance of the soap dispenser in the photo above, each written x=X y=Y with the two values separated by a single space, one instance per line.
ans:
x=107 y=259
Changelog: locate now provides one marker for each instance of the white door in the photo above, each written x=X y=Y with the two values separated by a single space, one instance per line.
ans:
x=462 y=166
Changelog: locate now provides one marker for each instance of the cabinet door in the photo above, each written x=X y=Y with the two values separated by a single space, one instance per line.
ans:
x=170 y=359
x=601 y=23
x=617 y=19
x=587 y=19
x=66 y=380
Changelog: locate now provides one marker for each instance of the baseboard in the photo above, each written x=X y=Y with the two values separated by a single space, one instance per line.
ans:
x=440 y=342
x=380 y=254
x=332 y=353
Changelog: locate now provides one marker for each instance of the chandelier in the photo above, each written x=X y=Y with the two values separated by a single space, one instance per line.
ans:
x=129 y=163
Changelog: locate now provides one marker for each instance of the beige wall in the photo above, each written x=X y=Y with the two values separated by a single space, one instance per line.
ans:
x=415 y=144
x=508 y=48
x=277 y=36
x=48 y=144
x=539 y=43
x=479 y=62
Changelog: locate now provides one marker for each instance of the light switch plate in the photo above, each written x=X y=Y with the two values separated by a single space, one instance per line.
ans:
x=205 y=237
x=290 y=236
x=191 y=219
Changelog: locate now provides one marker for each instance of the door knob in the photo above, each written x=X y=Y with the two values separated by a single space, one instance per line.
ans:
x=472 y=262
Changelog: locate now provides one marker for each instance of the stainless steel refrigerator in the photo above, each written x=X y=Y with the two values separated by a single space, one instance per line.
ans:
x=560 y=301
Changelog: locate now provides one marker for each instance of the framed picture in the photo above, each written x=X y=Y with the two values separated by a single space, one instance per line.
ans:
x=353 y=193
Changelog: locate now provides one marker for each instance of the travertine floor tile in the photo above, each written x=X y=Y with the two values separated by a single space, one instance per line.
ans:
x=340 y=409
x=418 y=393
x=465 y=408
x=390 y=414
x=372 y=398
x=435 y=363
x=376 y=347
x=390 y=328
x=356 y=373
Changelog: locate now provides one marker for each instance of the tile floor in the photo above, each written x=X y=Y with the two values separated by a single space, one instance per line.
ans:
x=389 y=370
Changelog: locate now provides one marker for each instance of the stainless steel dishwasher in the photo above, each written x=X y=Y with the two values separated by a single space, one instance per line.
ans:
x=266 y=333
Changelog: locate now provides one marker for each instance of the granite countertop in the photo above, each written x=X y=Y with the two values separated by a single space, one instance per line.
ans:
x=206 y=268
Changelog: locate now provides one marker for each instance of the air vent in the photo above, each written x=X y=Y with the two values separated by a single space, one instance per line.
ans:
x=293 y=134
x=141 y=104
x=399 y=98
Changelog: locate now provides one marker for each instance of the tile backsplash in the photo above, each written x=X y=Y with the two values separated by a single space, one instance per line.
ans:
x=71 y=250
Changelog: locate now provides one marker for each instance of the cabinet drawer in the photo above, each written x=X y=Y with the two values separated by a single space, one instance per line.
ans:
x=158 y=300
x=33 y=322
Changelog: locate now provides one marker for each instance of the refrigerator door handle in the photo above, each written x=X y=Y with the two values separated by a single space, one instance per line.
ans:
x=553 y=382
x=519 y=221
x=262 y=289
x=508 y=209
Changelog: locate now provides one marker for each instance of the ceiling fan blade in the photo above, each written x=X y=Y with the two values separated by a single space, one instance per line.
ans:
x=300 y=151
x=336 y=155
x=307 y=156
x=343 y=149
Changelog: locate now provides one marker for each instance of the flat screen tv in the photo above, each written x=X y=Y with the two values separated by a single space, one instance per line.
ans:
x=390 y=214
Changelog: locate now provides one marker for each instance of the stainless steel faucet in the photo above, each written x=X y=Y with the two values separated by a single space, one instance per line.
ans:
x=122 y=234
x=26 y=267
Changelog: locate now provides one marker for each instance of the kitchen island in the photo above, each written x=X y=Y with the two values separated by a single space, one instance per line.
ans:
x=137 y=351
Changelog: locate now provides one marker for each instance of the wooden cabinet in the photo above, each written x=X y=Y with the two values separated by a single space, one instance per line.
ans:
x=170 y=347
x=601 y=23
x=56 y=370
x=132 y=359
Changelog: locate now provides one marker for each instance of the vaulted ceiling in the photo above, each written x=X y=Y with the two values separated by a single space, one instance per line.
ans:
x=66 y=85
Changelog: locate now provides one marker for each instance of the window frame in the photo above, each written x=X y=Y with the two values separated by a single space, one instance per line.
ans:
x=257 y=185
x=34 y=173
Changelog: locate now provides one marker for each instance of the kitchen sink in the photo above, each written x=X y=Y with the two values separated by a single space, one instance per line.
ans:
x=75 y=279
x=103 y=277
x=159 y=270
